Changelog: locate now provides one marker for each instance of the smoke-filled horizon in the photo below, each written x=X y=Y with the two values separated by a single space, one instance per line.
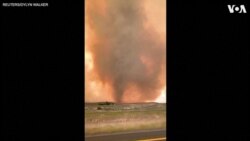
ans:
x=125 y=53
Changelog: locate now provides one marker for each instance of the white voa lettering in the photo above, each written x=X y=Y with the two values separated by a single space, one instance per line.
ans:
x=242 y=9
x=231 y=8
x=238 y=9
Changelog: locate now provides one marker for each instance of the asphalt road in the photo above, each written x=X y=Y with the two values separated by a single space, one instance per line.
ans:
x=147 y=135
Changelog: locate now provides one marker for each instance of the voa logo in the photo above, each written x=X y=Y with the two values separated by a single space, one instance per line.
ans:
x=238 y=9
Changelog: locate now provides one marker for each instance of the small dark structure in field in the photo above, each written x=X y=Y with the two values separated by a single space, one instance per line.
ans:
x=106 y=103
x=99 y=108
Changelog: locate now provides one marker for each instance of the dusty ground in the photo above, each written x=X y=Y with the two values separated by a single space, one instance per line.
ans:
x=110 y=118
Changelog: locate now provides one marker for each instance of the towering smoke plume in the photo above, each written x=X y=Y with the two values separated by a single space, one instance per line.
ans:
x=127 y=55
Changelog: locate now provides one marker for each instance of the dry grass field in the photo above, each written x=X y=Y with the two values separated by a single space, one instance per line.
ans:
x=111 y=117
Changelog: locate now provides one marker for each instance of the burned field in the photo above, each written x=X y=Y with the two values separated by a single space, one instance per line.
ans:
x=108 y=117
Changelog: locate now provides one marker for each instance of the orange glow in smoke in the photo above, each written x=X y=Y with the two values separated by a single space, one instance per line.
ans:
x=95 y=89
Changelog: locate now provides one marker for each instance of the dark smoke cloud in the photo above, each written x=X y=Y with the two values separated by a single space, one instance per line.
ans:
x=126 y=54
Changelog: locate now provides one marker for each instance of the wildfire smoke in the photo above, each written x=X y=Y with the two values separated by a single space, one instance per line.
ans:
x=125 y=50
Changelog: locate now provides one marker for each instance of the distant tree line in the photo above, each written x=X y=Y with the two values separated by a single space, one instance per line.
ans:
x=106 y=103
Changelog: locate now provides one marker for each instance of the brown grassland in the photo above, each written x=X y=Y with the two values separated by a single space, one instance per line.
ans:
x=111 y=117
